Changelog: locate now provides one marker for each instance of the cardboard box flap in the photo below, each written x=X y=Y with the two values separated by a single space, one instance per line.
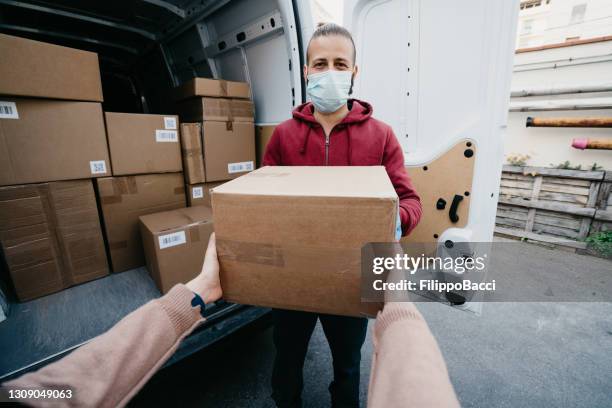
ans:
x=213 y=87
x=220 y=109
x=319 y=181
x=181 y=218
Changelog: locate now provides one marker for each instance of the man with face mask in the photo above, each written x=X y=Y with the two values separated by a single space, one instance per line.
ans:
x=332 y=130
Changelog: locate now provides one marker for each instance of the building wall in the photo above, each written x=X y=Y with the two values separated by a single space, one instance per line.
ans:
x=544 y=22
x=579 y=64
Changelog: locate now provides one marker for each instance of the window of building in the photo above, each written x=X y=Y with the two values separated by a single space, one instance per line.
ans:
x=578 y=12
x=527 y=4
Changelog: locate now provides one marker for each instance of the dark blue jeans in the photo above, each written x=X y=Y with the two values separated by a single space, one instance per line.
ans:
x=292 y=331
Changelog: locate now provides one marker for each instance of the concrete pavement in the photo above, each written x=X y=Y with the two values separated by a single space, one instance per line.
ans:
x=512 y=355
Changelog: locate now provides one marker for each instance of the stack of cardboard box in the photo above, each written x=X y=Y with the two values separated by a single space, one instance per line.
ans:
x=219 y=140
x=147 y=178
x=67 y=167
x=218 y=144
x=53 y=143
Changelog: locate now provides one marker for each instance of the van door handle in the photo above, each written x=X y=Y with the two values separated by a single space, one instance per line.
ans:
x=452 y=213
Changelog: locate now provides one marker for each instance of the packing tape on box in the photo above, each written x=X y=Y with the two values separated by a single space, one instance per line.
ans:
x=229 y=126
x=121 y=186
x=223 y=87
x=118 y=245
x=194 y=234
x=192 y=152
x=251 y=252
x=179 y=190
x=113 y=199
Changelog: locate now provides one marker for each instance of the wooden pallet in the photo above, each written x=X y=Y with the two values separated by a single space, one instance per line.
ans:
x=554 y=205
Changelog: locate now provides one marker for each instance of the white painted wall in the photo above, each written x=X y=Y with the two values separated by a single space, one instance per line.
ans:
x=554 y=21
x=587 y=63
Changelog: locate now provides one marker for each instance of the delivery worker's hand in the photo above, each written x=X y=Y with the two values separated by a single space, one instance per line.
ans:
x=207 y=283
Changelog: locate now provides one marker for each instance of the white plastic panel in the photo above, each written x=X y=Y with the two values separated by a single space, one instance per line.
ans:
x=438 y=71
x=267 y=55
x=271 y=85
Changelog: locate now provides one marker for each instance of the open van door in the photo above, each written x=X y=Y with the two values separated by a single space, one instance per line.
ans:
x=439 y=72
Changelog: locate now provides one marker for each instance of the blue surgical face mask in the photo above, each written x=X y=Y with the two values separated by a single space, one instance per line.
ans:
x=329 y=90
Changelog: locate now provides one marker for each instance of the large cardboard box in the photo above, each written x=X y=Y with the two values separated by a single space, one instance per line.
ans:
x=123 y=200
x=46 y=140
x=175 y=243
x=220 y=109
x=291 y=237
x=193 y=156
x=262 y=137
x=229 y=149
x=37 y=69
x=50 y=236
x=213 y=87
x=142 y=144
x=199 y=194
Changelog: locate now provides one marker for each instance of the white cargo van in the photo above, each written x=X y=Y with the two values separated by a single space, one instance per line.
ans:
x=438 y=71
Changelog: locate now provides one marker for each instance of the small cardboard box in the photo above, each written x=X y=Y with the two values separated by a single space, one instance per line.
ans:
x=143 y=144
x=220 y=109
x=291 y=237
x=262 y=137
x=193 y=157
x=229 y=149
x=199 y=194
x=37 y=69
x=123 y=200
x=50 y=236
x=213 y=87
x=49 y=140
x=175 y=244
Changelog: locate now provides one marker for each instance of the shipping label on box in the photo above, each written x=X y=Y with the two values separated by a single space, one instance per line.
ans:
x=173 y=239
x=175 y=243
x=166 y=136
x=199 y=194
x=50 y=140
x=229 y=149
x=8 y=110
x=143 y=144
x=170 y=122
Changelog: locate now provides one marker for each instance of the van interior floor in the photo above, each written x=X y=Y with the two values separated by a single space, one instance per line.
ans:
x=42 y=330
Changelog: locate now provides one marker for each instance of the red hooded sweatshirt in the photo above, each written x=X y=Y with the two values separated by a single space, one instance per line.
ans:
x=358 y=140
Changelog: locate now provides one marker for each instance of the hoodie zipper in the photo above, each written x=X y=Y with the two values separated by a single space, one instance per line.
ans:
x=327 y=149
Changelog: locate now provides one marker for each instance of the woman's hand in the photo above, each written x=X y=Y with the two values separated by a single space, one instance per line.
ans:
x=207 y=283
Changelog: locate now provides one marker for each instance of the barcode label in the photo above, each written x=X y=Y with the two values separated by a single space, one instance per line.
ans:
x=8 y=110
x=169 y=122
x=197 y=192
x=239 y=167
x=166 y=136
x=170 y=240
x=97 y=167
